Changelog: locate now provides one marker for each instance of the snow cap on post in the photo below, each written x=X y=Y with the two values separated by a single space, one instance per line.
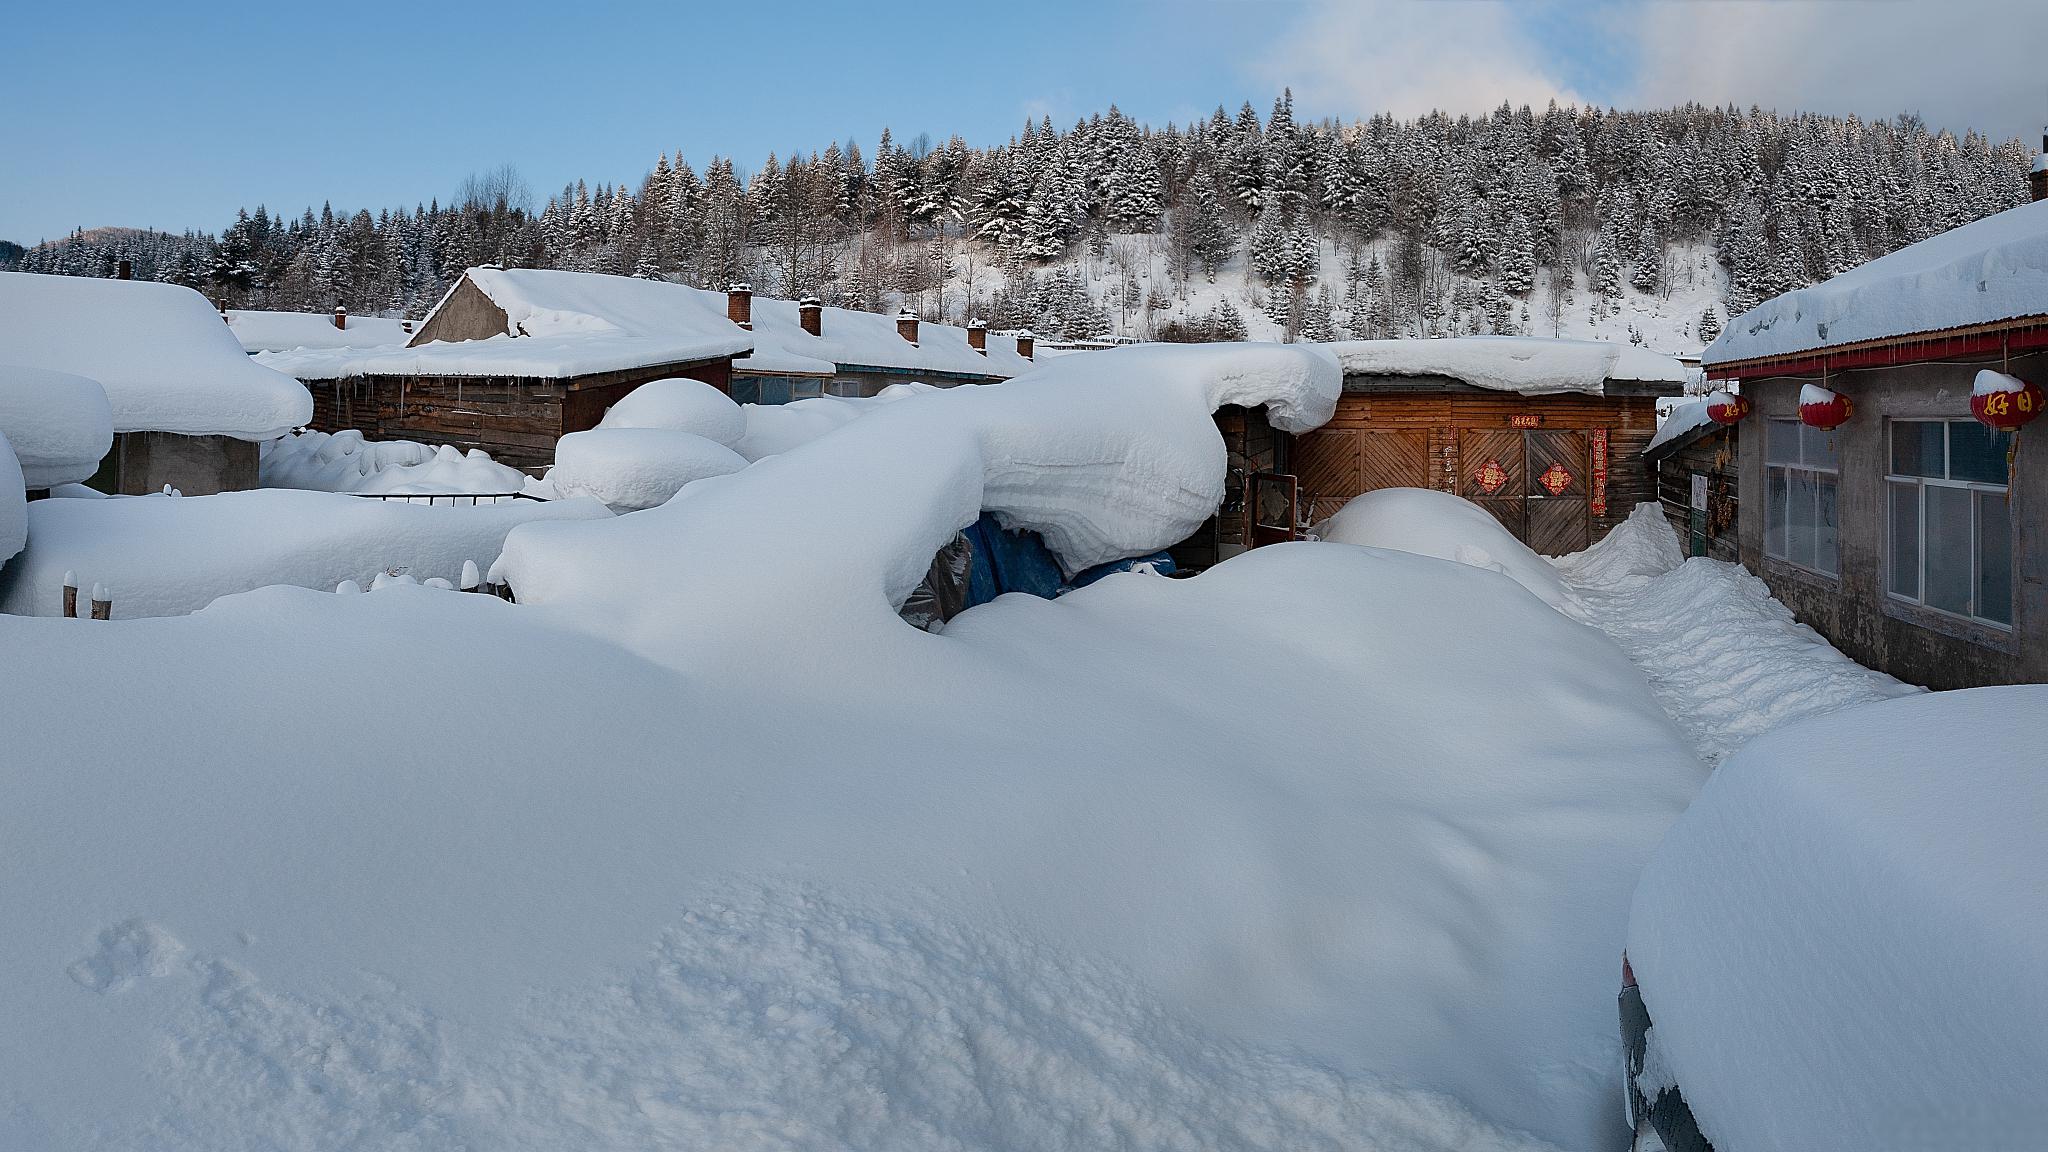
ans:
x=906 y=325
x=2005 y=402
x=1824 y=409
x=1726 y=407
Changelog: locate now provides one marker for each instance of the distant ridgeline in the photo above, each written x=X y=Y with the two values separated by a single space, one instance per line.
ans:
x=1377 y=228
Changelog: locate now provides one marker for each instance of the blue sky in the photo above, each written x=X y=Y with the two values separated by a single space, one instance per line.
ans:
x=171 y=116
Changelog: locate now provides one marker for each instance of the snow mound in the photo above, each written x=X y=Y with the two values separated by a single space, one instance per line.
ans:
x=1842 y=941
x=264 y=331
x=1987 y=270
x=1532 y=366
x=160 y=351
x=345 y=462
x=680 y=405
x=1448 y=527
x=773 y=429
x=59 y=424
x=167 y=557
x=13 y=503
x=629 y=469
x=1726 y=659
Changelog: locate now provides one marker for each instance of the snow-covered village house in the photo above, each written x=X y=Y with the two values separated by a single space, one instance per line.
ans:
x=1546 y=435
x=188 y=407
x=1889 y=493
x=803 y=348
x=513 y=359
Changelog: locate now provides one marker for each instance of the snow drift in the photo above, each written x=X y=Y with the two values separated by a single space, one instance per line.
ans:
x=165 y=556
x=679 y=404
x=60 y=424
x=345 y=462
x=167 y=362
x=1841 y=943
x=13 y=503
x=777 y=428
x=1448 y=527
x=628 y=469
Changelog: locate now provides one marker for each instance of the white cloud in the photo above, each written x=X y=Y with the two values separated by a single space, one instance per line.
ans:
x=1357 y=57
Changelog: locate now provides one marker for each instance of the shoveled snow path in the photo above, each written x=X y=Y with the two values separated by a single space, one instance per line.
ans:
x=1726 y=660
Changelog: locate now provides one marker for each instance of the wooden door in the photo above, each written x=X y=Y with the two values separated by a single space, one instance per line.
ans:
x=1559 y=484
x=1491 y=473
x=1335 y=464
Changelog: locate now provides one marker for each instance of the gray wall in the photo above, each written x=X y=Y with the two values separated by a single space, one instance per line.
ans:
x=143 y=462
x=1910 y=642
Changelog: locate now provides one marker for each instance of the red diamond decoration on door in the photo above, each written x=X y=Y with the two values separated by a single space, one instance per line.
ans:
x=1491 y=477
x=1555 y=479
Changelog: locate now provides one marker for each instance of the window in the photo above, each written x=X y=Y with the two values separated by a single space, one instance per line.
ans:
x=1801 y=477
x=1949 y=526
x=843 y=386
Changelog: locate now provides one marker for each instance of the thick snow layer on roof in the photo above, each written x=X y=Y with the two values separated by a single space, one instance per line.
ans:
x=539 y=357
x=1727 y=660
x=628 y=469
x=1529 y=365
x=13 y=502
x=260 y=331
x=679 y=405
x=167 y=362
x=849 y=337
x=1448 y=527
x=1685 y=416
x=775 y=428
x=60 y=424
x=1985 y=271
x=1841 y=943
x=346 y=462
x=164 y=556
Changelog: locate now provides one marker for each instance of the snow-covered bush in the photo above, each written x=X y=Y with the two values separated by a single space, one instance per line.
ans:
x=628 y=469
x=1448 y=527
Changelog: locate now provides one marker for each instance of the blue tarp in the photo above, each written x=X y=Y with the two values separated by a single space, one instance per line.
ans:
x=1008 y=561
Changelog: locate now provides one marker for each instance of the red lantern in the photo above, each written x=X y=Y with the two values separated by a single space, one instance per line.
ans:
x=2005 y=402
x=1727 y=407
x=1822 y=409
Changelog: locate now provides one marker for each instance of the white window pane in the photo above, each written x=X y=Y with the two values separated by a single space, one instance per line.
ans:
x=1905 y=540
x=1994 y=558
x=1948 y=549
x=1824 y=526
x=1799 y=519
x=1917 y=448
x=1977 y=452
x=1774 y=512
x=1819 y=448
x=1781 y=441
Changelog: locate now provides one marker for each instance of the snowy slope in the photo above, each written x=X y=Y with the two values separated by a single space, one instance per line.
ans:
x=1987 y=270
x=1841 y=944
x=167 y=362
x=765 y=866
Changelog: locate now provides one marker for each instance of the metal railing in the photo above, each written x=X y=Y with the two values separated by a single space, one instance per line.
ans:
x=454 y=499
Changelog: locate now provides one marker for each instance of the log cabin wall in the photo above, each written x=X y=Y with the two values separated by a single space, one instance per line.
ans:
x=1710 y=531
x=516 y=420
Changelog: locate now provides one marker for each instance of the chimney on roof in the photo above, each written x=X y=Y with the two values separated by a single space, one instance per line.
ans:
x=810 y=313
x=341 y=316
x=977 y=337
x=739 y=304
x=2037 y=180
x=1025 y=341
x=126 y=271
x=906 y=325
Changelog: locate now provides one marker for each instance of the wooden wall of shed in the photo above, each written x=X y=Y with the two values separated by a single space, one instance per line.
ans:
x=1715 y=456
x=467 y=314
x=516 y=420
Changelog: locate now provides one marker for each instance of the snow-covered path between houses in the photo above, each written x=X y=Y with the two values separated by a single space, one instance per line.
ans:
x=1726 y=660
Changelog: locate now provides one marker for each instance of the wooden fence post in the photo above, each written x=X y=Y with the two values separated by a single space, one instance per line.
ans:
x=70 y=595
x=102 y=603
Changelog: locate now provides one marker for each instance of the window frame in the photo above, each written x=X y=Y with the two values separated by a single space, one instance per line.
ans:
x=1816 y=472
x=1893 y=481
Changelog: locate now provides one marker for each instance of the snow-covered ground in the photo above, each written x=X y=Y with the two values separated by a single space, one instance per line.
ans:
x=346 y=462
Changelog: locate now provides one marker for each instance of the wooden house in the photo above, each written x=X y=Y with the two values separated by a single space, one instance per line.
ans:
x=1546 y=435
x=512 y=359
x=1888 y=492
x=1693 y=459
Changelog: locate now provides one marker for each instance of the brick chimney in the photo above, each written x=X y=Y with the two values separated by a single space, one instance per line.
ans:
x=2037 y=180
x=906 y=325
x=739 y=304
x=977 y=337
x=1025 y=342
x=126 y=271
x=810 y=313
x=341 y=317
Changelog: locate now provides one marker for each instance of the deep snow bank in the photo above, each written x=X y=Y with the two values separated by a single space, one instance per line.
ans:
x=345 y=462
x=163 y=556
x=1842 y=942
x=59 y=424
x=1448 y=527
x=679 y=404
x=631 y=468
x=778 y=428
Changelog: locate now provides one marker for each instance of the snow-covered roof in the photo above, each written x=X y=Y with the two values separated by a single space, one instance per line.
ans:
x=1532 y=366
x=1685 y=416
x=60 y=424
x=1984 y=272
x=849 y=337
x=283 y=331
x=167 y=362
